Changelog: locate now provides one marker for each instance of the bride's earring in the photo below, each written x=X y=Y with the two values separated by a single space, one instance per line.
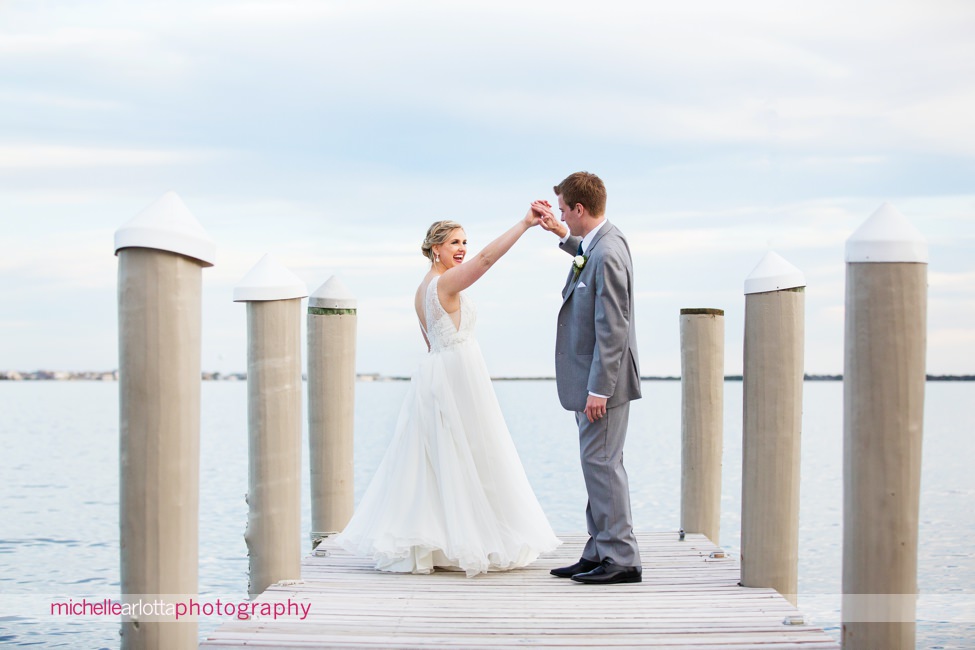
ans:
x=436 y=260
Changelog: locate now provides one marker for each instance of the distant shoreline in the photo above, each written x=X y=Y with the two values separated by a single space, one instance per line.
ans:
x=112 y=375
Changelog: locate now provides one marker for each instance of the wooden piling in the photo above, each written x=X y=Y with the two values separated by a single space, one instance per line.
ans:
x=883 y=409
x=331 y=407
x=161 y=252
x=702 y=420
x=772 y=377
x=273 y=295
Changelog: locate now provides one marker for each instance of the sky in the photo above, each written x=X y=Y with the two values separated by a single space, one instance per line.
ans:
x=331 y=134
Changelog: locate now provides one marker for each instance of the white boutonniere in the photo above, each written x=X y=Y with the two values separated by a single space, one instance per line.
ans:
x=578 y=263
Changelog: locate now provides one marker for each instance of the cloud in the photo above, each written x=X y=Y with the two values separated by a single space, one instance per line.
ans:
x=61 y=260
x=792 y=227
x=70 y=40
x=951 y=350
x=262 y=14
x=944 y=123
x=951 y=283
x=28 y=156
x=314 y=262
x=54 y=100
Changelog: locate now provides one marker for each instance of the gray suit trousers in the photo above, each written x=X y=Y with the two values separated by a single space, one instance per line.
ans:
x=608 y=515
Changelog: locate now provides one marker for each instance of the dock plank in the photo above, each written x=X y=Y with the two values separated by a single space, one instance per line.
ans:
x=688 y=599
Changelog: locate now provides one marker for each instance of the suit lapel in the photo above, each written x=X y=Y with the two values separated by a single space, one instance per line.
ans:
x=567 y=289
x=570 y=283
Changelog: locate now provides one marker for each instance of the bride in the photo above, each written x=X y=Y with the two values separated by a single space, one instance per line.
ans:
x=450 y=491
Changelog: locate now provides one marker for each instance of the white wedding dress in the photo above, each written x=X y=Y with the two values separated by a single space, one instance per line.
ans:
x=451 y=491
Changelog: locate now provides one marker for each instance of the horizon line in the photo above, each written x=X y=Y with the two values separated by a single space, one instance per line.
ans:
x=112 y=375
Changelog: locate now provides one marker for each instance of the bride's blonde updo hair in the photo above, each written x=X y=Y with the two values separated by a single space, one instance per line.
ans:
x=437 y=234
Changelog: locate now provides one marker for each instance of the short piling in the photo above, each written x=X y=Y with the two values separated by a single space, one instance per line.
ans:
x=273 y=295
x=772 y=421
x=331 y=407
x=161 y=253
x=883 y=409
x=702 y=421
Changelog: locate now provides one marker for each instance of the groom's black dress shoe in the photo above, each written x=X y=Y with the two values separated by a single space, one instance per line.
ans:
x=582 y=566
x=610 y=573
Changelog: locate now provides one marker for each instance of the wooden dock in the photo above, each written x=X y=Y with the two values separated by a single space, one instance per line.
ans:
x=688 y=599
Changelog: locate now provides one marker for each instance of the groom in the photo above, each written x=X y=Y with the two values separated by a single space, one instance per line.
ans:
x=597 y=371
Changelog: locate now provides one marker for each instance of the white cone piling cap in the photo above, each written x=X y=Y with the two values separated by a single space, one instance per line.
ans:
x=887 y=236
x=269 y=280
x=773 y=273
x=167 y=225
x=332 y=295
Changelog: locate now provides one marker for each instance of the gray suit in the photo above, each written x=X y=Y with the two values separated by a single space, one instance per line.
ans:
x=595 y=351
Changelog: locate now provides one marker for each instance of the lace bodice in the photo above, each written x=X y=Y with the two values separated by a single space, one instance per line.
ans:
x=441 y=331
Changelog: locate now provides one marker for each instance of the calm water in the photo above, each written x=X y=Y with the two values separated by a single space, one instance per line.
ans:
x=59 y=494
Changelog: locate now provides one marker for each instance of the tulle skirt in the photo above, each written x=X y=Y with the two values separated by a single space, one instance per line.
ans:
x=450 y=491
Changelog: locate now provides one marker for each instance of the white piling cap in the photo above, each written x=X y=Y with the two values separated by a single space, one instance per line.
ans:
x=887 y=236
x=773 y=273
x=167 y=225
x=269 y=280
x=332 y=295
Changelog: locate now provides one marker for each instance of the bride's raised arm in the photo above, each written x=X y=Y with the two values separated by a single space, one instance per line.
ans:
x=457 y=278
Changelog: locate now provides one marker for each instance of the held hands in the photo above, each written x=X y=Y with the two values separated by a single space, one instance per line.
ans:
x=546 y=218
x=531 y=219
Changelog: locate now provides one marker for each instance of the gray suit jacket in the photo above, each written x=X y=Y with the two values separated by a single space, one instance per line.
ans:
x=595 y=346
